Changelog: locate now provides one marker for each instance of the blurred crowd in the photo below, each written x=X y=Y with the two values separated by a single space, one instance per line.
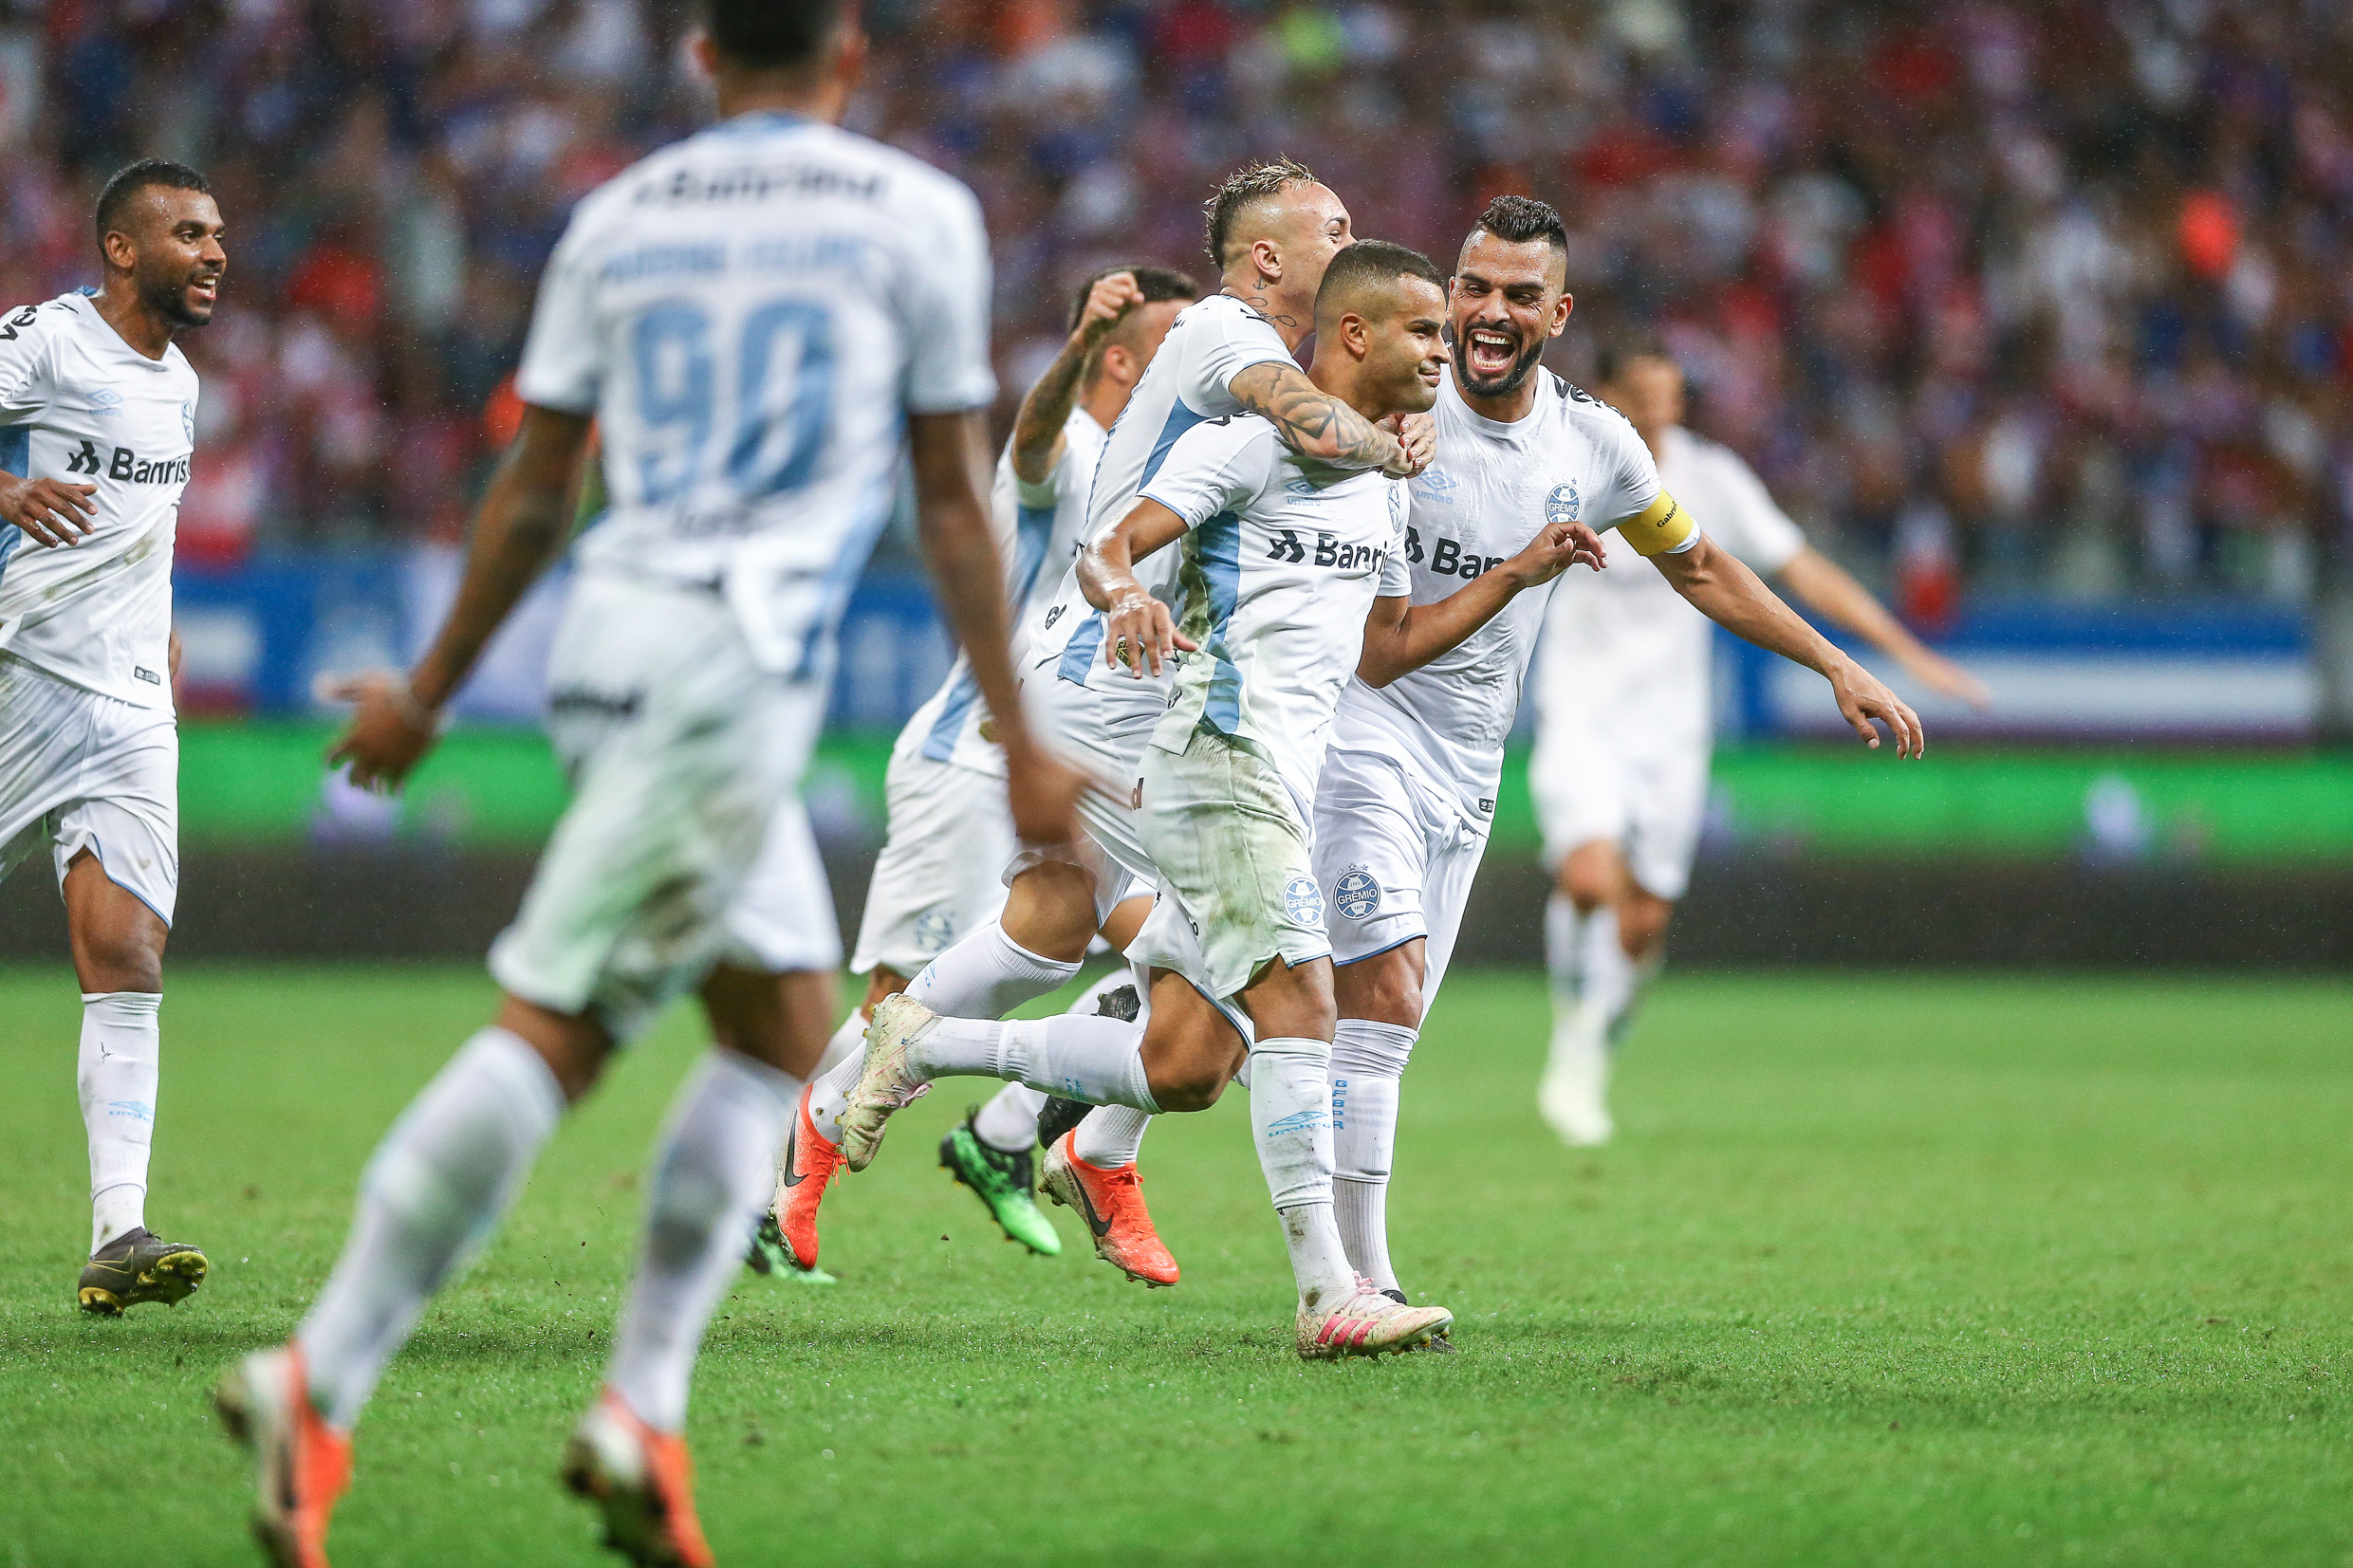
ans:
x=2000 y=298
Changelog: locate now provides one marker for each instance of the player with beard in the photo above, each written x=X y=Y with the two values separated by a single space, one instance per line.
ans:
x=97 y=429
x=1272 y=227
x=1620 y=773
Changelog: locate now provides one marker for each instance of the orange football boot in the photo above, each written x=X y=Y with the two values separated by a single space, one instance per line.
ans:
x=1112 y=1203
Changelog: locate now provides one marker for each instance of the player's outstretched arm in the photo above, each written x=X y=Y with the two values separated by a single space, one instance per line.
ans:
x=951 y=459
x=1313 y=423
x=1725 y=591
x=1400 y=636
x=1825 y=586
x=1037 y=429
x=524 y=522
x=50 y=511
x=1138 y=633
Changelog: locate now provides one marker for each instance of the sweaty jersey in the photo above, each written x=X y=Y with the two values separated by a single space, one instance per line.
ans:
x=1621 y=647
x=79 y=404
x=1491 y=488
x=750 y=313
x=1039 y=528
x=1209 y=344
x=1280 y=565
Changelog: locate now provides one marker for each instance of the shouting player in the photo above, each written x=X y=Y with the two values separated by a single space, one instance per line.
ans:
x=940 y=875
x=751 y=317
x=1273 y=229
x=1282 y=562
x=97 y=427
x=1623 y=733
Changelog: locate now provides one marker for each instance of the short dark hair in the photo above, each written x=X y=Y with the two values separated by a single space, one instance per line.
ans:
x=1155 y=282
x=1241 y=188
x=133 y=177
x=1366 y=263
x=1625 y=346
x=1520 y=219
x=766 y=35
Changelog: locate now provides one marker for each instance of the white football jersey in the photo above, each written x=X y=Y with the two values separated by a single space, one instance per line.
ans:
x=1279 y=567
x=1491 y=489
x=1624 y=650
x=750 y=313
x=79 y=404
x=1039 y=529
x=1210 y=342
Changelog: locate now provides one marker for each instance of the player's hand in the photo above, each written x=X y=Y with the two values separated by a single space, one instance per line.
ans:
x=1140 y=633
x=1044 y=793
x=50 y=511
x=1559 y=547
x=1417 y=443
x=390 y=730
x=1106 y=301
x=1948 y=679
x=1863 y=697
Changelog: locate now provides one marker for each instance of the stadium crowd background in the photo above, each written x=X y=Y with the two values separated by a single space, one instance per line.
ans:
x=2002 y=298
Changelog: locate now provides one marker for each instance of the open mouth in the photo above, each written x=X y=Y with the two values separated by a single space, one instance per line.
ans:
x=205 y=291
x=1491 y=355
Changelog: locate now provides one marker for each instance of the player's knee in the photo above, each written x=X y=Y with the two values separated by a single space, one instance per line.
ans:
x=1050 y=910
x=1643 y=924
x=1384 y=989
x=1189 y=1086
x=1587 y=881
x=121 y=960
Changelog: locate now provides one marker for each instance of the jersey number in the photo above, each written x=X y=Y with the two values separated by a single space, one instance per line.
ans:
x=781 y=421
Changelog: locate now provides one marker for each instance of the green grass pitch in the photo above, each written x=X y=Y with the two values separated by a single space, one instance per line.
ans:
x=1881 y=1271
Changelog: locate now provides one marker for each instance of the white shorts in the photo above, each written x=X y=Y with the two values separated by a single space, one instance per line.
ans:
x=783 y=918
x=81 y=771
x=679 y=750
x=1648 y=799
x=1396 y=858
x=1238 y=874
x=940 y=875
x=1105 y=739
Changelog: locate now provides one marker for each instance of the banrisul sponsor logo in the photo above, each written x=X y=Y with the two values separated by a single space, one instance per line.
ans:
x=1447 y=557
x=130 y=467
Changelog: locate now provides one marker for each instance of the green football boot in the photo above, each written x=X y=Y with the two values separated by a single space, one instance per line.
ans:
x=772 y=1257
x=138 y=1266
x=1006 y=1183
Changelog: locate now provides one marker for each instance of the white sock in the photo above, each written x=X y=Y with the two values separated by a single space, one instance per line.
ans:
x=116 y=1076
x=1110 y=1136
x=1097 y=1060
x=1368 y=1058
x=1564 y=947
x=1614 y=984
x=710 y=1180
x=830 y=1091
x=847 y=1042
x=1292 y=1120
x=435 y=1189
x=987 y=975
x=1009 y=1121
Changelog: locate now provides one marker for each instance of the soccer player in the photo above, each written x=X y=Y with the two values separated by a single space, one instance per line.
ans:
x=1619 y=772
x=941 y=871
x=1282 y=561
x=751 y=317
x=97 y=427
x=1408 y=790
x=1272 y=228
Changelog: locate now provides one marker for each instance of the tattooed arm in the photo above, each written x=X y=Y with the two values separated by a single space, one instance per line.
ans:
x=1313 y=423
x=1037 y=429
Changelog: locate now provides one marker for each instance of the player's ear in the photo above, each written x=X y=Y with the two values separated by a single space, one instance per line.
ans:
x=1269 y=261
x=1120 y=364
x=705 y=54
x=1560 y=313
x=121 y=250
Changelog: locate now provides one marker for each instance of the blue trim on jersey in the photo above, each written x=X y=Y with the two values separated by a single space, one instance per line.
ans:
x=847 y=567
x=1219 y=545
x=1181 y=420
x=16 y=457
x=1077 y=655
x=762 y=120
x=1033 y=531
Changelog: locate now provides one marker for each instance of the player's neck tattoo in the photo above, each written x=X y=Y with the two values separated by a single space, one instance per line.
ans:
x=1257 y=299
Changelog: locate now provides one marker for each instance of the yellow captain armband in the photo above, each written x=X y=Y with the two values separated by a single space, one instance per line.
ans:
x=1663 y=526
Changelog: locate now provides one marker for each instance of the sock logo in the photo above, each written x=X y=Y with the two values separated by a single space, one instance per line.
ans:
x=1356 y=894
x=136 y=1110
x=1300 y=1122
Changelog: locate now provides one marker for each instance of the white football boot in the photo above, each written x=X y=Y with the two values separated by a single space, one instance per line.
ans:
x=1367 y=1323
x=887 y=1085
